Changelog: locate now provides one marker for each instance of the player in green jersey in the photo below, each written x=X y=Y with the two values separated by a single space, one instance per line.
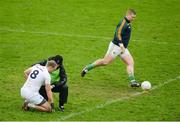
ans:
x=118 y=47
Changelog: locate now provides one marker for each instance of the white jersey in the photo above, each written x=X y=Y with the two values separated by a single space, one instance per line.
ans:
x=38 y=76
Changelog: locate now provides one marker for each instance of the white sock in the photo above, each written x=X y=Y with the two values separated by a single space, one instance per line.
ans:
x=133 y=80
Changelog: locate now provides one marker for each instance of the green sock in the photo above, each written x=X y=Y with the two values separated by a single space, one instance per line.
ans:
x=89 y=67
x=131 y=78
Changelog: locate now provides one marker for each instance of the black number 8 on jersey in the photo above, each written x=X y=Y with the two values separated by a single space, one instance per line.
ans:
x=34 y=74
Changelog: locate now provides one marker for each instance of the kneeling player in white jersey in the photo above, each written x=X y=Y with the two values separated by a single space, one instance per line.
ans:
x=37 y=76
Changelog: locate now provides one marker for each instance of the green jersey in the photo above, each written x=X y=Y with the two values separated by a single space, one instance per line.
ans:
x=55 y=76
x=122 y=33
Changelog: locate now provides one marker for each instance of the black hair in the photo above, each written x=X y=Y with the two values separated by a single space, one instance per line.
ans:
x=57 y=58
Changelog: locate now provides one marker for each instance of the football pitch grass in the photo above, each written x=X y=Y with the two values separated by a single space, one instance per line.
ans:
x=80 y=31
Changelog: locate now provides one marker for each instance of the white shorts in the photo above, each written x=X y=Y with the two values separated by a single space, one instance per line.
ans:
x=32 y=97
x=114 y=51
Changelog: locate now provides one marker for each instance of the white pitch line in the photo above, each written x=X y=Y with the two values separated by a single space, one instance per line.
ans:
x=114 y=101
x=55 y=33
x=73 y=35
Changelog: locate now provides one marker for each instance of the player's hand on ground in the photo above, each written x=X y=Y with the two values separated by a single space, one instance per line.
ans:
x=52 y=107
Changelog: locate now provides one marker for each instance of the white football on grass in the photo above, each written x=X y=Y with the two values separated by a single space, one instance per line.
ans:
x=146 y=85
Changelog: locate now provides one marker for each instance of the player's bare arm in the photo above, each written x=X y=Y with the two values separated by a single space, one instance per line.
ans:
x=49 y=93
x=120 y=36
x=27 y=72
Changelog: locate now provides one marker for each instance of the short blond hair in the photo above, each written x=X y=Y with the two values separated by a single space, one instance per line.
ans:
x=131 y=11
x=51 y=63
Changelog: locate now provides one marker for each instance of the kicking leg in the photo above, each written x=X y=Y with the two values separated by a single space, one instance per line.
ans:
x=113 y=51
x=100 y=62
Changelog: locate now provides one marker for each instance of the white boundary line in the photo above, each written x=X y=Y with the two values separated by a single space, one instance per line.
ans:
x=114 y=101
x=54 y=33
x=73 y=35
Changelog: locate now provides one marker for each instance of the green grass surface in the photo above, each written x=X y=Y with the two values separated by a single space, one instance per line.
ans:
x=80 y=30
